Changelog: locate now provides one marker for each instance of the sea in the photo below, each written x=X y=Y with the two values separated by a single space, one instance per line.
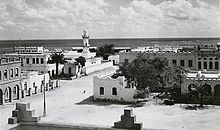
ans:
x=7 y=46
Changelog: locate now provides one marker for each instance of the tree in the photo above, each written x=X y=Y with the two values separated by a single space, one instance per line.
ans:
x=154 y=74
x=57 y=58
x=105 y=51
x=81 y=60
x=200 y=92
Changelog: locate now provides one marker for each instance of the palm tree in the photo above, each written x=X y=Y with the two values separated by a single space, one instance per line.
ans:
x=57 y=58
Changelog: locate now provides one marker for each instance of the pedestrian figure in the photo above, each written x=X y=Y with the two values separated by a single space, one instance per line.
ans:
x=84 y=91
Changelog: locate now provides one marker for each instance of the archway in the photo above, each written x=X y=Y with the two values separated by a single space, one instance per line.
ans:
x=8 y=95
x=199 y=65
x=16 y=92
x=217 y=90
x=192 y=87
x=207 y=88
x=210 y=65
x=1 y=97
x=205 y=65
x=216 y=65
x=69 y=71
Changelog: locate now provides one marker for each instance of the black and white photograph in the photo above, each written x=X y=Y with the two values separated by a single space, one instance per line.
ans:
x=109 y=64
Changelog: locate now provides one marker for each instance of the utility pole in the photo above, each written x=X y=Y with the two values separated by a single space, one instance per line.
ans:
x=44 y=110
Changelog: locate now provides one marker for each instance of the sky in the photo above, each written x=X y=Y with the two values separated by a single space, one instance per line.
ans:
x=66 y=19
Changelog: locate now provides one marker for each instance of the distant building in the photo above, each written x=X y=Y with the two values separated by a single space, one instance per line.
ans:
x=72 y=68
x=34 y=59
x=210 y=80
x=107 y=88
x=29 y=50
x=203 y=57
x=92 y=63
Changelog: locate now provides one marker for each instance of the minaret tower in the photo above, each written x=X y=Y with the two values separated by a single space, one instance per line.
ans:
x=86 y=45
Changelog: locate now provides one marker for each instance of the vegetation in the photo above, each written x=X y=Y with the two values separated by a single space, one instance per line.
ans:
x=105 y=51
x=154 y=74
x=57 y=58
x=200 y=93
x=81 y=60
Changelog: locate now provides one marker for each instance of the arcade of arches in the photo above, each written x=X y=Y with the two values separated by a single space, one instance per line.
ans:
x=9 y=93
x=211 y=87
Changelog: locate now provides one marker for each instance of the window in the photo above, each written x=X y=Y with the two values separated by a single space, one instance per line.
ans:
x=190 y=63
x=16 y=72
x=25 y=86
x=210 y=65
x=174 y=62
x=42 y=60
x=33 y=60
x=205 y=65
x=11 y=73
x=210 y=58
x=126 y=60
x=205 y=58
x=182 y=63
x=27 y=61
x=216 y=58
x=216 y=65
x=199 y=58
x=101 y=90
x=114 y=91
x=5 y=75
x=21 y=61
x=37 y=60
x=199 y=65
x=0 y=75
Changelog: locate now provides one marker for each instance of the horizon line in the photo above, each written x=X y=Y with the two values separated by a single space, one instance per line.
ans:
x=112 y=38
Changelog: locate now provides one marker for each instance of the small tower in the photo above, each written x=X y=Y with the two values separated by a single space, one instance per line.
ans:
x=86 y=45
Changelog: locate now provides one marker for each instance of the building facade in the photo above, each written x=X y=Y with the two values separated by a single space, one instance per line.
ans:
x=106 y=88
x=10 y=80
x=202 y=57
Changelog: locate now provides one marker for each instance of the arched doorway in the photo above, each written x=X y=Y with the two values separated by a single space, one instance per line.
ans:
x=69 y=71
x=8 y=95
x=16 y=92
x=1 y=97
x=217 y=90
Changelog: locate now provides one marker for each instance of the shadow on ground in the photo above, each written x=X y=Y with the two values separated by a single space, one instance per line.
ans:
x=90 y=101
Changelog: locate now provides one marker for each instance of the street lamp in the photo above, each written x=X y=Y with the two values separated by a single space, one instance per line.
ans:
x=44 y=109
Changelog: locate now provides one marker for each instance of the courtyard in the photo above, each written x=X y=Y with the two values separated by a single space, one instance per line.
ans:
x=71 y=104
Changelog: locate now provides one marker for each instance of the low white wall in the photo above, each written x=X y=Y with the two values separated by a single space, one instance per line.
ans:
x=98 y=67
x=123 y=94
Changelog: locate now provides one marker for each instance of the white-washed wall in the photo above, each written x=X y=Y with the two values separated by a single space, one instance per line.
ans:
x=123 y=94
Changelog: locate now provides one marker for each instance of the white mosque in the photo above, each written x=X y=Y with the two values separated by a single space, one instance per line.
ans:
x=92 y=63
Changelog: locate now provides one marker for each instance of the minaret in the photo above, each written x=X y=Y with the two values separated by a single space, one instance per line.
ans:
x=86 y=45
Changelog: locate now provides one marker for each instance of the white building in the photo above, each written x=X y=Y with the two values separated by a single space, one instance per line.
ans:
x=92 y=63
x=72 y=68
x=107 y=88
x=33 y=83
x=35 y=59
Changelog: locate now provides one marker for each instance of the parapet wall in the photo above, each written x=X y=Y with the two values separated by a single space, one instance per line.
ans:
x=53 y=126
